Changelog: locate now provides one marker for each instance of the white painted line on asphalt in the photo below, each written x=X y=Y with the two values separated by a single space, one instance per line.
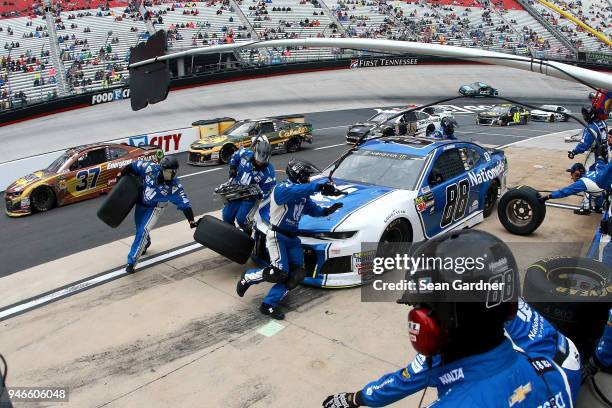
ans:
x=333 y=127
x=328 y=147
x=535 y=137
x=199 y=172
x=90 y=282
x=489 y=134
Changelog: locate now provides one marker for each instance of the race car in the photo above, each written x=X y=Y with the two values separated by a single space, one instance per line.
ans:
x=478 y=89
x=220 y=138
x=80 y=173
x=398 y=189
x=440 y=111
x=560 y=114
x=415 y=123
x=505 y=114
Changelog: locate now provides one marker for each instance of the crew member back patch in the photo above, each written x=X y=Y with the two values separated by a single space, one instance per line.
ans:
x=541 y=365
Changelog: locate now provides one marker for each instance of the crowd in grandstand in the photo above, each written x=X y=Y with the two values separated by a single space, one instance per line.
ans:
x=94 y=37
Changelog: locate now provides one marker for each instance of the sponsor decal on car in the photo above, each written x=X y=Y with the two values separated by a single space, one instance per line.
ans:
x=363 y=262
x=118 y=165
x=293 y=132
x=485 y=175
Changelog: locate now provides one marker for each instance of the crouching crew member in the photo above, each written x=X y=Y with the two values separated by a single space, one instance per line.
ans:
x=160 y=186
x=586 y=182
x=447 y=129
x=250 y=166
x=289 y=200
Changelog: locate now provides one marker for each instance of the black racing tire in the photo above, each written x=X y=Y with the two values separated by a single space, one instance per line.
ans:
x=490 y=198
x=226 y=153
x=42 y=199
x=495 y=92
x=396 y=238
x=574 y=295
x=224 y=239
x=430 y=130
x=520 y=210
x=294 y=144
x=552 y=118
x=504 y=122
x=120 y=201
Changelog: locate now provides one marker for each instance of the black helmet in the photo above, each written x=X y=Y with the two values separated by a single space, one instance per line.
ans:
x=169 y=167
x=262 y=150
x=588 y=113
x=299 y=171
x=468 y=280
x=448 y=125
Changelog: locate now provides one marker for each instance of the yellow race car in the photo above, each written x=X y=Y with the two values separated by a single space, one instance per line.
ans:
x=221 y=137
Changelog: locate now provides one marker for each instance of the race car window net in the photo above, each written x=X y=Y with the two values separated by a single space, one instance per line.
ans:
x=57 y=163
x=395 y=170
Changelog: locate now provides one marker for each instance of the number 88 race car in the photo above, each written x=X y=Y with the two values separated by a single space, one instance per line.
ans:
x=399 y=189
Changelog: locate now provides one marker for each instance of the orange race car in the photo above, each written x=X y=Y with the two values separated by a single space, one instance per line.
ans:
x=80 y=173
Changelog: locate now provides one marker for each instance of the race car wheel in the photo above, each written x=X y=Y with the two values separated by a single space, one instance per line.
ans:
x=571 y=294
x=226 y=153
x=491 y=198
x=393 y=239
x=505 y=122
x=294 y=144
x=552 y=118
x=224 y=239
x=430 y=130
x=42 y=199
x=520 y=210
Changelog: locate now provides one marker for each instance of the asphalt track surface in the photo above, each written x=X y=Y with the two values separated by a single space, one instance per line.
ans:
x=30 y=241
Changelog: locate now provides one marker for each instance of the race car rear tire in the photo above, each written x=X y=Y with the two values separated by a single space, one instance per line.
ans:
x=571 y=294
x=490 y=198
x=226 y=153
x=224 y=239
x=520 y=210
x=42 y=199
x=294 y=144
x=120 y=201
x=552 y=118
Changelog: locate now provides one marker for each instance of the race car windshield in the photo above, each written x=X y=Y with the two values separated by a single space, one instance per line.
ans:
x=395 y=170
x=381 y=117
x=548 y=107
x=239 y=129
x=59 y=162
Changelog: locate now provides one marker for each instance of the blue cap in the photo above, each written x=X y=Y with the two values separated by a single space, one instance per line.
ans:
x=576 y=167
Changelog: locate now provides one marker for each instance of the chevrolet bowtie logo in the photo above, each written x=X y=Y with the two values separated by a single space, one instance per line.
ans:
x=519 y=394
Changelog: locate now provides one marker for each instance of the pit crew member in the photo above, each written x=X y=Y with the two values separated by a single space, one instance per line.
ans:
x=594 y=138
x=249 y=166
x=583 y=181
x=160 y=186
x=485 y=373
x=447 y=129
x=288 y=201
x=602 y=358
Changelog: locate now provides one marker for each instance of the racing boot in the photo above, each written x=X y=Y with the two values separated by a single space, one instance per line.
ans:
x=272 y=311
x=242 y=285
x=129 y=268
x=144 y=251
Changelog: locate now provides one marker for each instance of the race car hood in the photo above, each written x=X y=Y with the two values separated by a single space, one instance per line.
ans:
x=209 y=142
x=362 y=127
x=30 y=179
x=489 y=114
x=358 y=196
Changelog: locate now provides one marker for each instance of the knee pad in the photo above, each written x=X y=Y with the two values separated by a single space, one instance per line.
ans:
x=274 y=275
x=298 y=273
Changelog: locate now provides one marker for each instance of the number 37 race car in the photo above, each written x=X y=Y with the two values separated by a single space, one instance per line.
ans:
x=399 y=189
x=78 y=174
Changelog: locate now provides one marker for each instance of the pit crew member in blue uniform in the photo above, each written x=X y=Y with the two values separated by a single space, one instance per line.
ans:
x=583 y=182
x=160 y=186
x=447 y=129
x=594 y=138
x=464 y=351
x=250 y=166
x=288 y=202
x=603 y=352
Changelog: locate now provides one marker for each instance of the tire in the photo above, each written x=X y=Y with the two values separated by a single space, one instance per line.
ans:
x=571 y=294
x=430 y=130
x=226 y=153
x=294 y=144
x=490 y=198
x=504 y=122
x=120 y=201
x=520 y=211
x=394 y=238
x=224 y=239
x=552 y=118
x=42 y=199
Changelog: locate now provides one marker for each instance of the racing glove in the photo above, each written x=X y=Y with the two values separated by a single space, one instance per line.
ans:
x=233 y=172
x=327 y=188
x=543 y=198
x=194 y=224
x=342 y=400
x=332 y=208
x=571 y=154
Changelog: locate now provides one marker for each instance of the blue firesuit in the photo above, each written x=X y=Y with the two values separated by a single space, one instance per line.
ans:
x=589 y=139
x=604 y=181
x=288 y=202
x=155 y=197
x=586 y=184
x=441 y=134
x=247 y=173
x=603 y=352
x=499 y=372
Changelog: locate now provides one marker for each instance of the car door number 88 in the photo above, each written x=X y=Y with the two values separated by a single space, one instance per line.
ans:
x=456 y=202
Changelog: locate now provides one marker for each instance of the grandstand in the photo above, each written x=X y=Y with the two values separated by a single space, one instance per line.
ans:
x=94 y=37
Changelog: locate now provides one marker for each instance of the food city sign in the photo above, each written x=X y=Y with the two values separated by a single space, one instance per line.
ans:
x=382 y=62
x=110 y=96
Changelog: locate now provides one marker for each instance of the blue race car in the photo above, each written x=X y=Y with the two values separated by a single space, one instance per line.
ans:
x=399 y=189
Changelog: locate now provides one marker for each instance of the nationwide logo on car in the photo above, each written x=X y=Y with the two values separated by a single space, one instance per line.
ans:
x=485 y=175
